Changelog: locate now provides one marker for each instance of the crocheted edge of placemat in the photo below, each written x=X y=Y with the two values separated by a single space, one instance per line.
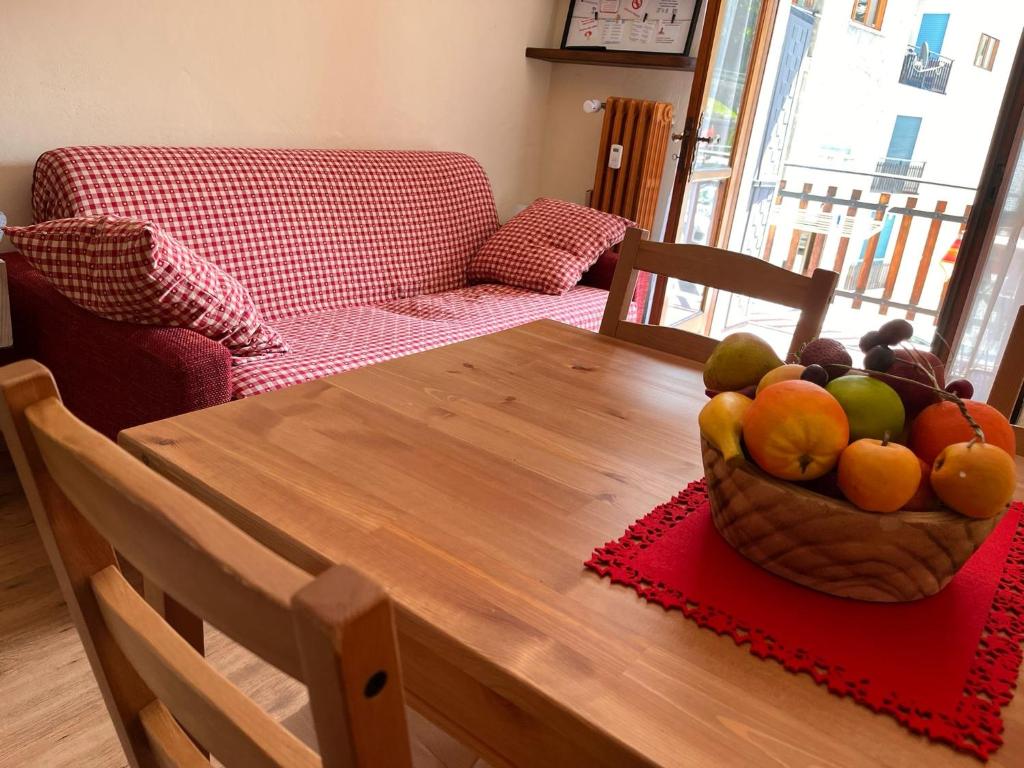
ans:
x=977 y=725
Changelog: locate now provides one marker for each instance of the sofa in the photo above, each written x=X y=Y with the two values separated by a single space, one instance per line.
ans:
x=354 y=257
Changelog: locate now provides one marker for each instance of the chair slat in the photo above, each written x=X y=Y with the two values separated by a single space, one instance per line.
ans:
x=713 y=268
x=689 y=345
x=172 y=748
x=725 y=270
x=218 y=572
x=219 y=715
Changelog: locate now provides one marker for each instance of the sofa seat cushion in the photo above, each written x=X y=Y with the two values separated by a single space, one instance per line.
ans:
x=351 y=337
x=304 y=230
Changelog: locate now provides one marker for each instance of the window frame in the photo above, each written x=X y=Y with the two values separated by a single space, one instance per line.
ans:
x=985 y=55
x=879 y=9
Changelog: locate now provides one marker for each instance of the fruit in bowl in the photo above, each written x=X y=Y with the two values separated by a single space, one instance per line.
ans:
x=872 y=407
x=740 y=360
x=801 y=476
x=795 y=430
x=879 y=475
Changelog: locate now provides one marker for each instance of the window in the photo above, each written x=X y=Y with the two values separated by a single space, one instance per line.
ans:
x=932 y=33
x=986 y=55
x=868 y=12
x=904 y=137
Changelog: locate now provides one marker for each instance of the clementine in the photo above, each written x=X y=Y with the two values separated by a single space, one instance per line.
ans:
x=795 y=430
x=942 y=425
x=879 y=476
x=974 y=478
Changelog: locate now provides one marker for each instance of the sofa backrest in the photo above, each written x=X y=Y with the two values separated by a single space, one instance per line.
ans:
x=304 y=230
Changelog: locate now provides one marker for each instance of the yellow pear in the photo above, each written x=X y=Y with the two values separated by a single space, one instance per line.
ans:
x=740 y=360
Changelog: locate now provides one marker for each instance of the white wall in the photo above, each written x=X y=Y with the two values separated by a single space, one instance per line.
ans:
x=449 y=74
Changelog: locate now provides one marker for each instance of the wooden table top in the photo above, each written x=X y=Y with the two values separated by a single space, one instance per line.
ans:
x=473 y=481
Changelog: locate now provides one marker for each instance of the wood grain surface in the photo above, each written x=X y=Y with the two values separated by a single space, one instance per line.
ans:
x=472 y=481
x=830 y=545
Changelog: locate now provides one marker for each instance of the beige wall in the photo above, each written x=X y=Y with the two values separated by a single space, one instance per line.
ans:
x=308 y=73
x=448 y=74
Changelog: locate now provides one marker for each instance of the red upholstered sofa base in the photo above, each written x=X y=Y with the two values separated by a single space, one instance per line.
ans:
x=113 y=375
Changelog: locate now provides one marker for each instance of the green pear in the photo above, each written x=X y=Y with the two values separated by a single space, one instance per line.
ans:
x=739 y=360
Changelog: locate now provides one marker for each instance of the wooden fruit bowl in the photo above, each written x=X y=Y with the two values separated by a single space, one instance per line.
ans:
x=829 y=545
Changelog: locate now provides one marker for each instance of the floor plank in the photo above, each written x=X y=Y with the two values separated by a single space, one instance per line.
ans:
x=51 y=712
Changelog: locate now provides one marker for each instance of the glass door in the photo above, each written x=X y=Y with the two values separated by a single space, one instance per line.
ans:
x=712 y=136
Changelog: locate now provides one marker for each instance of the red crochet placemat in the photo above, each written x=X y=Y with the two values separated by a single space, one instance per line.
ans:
x=944 y=666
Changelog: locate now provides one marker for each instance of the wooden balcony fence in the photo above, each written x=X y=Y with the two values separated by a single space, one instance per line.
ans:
x=815 y=222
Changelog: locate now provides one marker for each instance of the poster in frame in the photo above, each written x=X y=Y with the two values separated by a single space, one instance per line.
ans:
x=637 y=26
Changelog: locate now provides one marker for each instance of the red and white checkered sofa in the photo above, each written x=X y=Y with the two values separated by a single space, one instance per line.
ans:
x=355 y=257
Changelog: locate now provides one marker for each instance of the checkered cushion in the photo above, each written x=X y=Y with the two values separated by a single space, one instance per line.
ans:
x=303 y=230
x=546 y=247
x=132 y=271
x=351 y=337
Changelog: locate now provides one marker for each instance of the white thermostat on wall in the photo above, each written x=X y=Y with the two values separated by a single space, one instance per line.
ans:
x=615 y=156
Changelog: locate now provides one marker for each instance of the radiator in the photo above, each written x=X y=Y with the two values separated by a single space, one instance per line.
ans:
x=643 y=129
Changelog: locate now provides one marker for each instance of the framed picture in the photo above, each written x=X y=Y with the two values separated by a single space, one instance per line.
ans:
x=640 y=26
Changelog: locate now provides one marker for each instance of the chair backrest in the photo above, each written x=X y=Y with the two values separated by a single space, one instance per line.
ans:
x=715 y=268
x=335 y=632
x=1009 y=381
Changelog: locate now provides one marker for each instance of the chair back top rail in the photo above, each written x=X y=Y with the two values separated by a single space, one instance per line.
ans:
x=724 y=270
x=714 y=268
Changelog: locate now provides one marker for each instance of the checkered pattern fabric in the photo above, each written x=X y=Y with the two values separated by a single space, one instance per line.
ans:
x=546 y=247
x=351 y=337
x=303 y=230
x=128 y=270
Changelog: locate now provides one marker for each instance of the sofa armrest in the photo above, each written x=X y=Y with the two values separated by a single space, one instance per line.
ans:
x=113 y=375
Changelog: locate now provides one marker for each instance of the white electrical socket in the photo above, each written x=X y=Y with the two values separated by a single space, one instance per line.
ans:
x=615 y=156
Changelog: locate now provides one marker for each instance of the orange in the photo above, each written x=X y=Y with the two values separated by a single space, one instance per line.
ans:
x=924 y=498
x=795 y=430
x=974 y=478
x=879 y=476
x=942 y=424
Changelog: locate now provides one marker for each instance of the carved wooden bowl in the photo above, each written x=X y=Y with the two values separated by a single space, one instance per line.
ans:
x=829 y=545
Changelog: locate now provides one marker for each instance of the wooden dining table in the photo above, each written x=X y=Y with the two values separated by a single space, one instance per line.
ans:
x=473 y=481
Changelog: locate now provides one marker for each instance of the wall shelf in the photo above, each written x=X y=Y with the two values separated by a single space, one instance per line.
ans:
x=672 y=61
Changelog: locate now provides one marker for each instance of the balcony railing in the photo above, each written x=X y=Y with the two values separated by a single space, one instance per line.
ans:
x=925 y=70
x=816 y=224
x=889 y=169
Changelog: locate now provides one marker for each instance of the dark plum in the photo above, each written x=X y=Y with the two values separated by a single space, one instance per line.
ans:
x=895 y=332
x=879 y=358
x=815 y=374
x=962 y=388
x=870 y=340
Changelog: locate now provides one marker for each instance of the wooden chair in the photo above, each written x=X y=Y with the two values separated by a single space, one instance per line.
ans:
x=1009 y=381
x=715 y=268
x=334 y=632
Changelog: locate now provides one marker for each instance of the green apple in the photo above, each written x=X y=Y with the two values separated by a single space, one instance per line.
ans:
x=872 y=407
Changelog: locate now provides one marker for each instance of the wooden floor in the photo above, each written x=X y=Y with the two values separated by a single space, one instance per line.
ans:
x=51 y=712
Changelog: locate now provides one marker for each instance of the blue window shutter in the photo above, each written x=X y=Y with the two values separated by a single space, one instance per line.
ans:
x=933 y=31
x=904 y=137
